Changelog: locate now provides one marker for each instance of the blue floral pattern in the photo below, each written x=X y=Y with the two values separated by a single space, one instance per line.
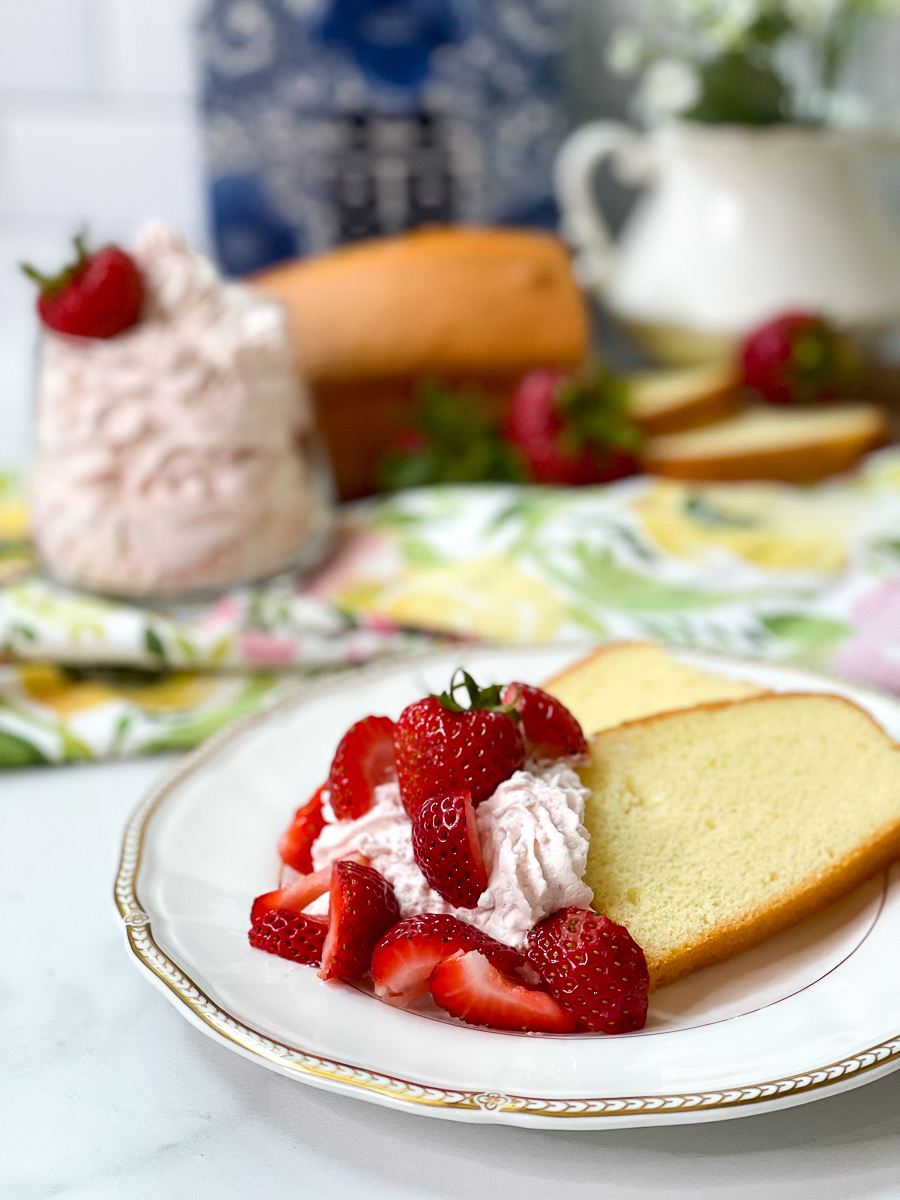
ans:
x=328 y=120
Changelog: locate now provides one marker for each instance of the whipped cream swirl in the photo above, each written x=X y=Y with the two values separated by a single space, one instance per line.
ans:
x=532 y=838
x=172 y=457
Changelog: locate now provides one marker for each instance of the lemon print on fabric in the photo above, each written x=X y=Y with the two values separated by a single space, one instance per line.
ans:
x=72 y=692
x=489 y=597
x=777 y=527
x=178 y=692
x=50 y=685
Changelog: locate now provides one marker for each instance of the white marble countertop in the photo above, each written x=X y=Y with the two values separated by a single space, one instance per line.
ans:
x=107 y=1093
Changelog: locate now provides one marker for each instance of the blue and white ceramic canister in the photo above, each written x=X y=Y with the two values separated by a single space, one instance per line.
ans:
x=332 y=120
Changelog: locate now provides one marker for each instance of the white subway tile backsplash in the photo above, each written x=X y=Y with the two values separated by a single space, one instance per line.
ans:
x=113 y=166
x=146 y=46
x=47 y=44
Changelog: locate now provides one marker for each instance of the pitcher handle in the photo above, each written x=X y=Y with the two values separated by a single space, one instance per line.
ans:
x=583 y=226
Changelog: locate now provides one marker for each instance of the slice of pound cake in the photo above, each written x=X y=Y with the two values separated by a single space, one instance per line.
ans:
x=715 y=827
x=628 y=680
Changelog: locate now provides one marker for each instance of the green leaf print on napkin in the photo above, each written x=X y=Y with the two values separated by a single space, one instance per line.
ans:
x=802 y=628
x=810 y=640
x=183 y=735
x=608 y=583
x=16 y=752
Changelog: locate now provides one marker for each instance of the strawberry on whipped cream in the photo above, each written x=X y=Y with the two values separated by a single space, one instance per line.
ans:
x=448 y=857
x=534 y=846
x=176 y=456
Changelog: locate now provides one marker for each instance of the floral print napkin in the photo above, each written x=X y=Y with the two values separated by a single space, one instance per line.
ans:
x=803 y=575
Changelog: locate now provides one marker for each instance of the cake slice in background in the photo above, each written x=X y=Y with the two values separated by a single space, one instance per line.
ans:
x=797 y=445
x=628 y=680
x=714 y=828
x=372 y=321
x=677 y=398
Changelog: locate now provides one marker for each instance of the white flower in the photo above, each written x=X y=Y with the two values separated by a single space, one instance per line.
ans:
x=626 y=52
x=670 y=86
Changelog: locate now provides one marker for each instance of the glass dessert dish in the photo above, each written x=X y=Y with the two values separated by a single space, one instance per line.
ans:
x=179 y=457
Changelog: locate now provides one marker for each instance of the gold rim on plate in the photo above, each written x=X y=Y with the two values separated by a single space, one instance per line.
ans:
x=403 y=1092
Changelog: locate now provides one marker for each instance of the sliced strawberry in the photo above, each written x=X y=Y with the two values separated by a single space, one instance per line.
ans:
x=362 y=909
x=442 y=747
x=297 y=936
x=550 y=729
x=447 y=849
x=404 y=959
x=594 y=968
x=363 y=760
x=297 y=896
x=471 y=988
x=296 y=845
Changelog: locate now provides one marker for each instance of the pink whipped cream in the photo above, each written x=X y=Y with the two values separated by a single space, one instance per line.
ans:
x=532 y=838
x=172 y=458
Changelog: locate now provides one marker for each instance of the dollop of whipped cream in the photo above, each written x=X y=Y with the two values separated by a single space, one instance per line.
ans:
x=171 y=458
x=532 y=838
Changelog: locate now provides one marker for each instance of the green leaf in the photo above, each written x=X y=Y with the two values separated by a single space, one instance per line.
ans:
x=610 y=585
x=454 y=440
x=713 y=516
x=417 y=553
x=153 y=644
x=17 y=752
x=594 y=409
x=736 y=90
x=489 y=698
x=813 y=631
x=185 y=735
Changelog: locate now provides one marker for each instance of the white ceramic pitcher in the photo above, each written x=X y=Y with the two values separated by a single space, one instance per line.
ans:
x=737 y=224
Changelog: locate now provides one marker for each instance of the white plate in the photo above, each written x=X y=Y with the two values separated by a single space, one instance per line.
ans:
x=812 y=1012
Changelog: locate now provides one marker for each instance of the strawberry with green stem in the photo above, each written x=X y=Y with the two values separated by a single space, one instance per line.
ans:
x=98 y=295
x=443 y=747
x=800 y=358
x=574 y=429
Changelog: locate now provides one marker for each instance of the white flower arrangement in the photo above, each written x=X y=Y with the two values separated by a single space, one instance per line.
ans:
x=745 y=61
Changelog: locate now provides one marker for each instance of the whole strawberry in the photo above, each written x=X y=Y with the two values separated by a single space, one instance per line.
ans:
x=799 y=358
x=573 y=431
x=594 y=968
x=99 y=295
x=550 y=730
x=442 y=747
x=446 y=848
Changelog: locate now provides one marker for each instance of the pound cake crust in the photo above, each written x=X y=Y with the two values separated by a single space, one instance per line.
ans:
x=716 y=827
